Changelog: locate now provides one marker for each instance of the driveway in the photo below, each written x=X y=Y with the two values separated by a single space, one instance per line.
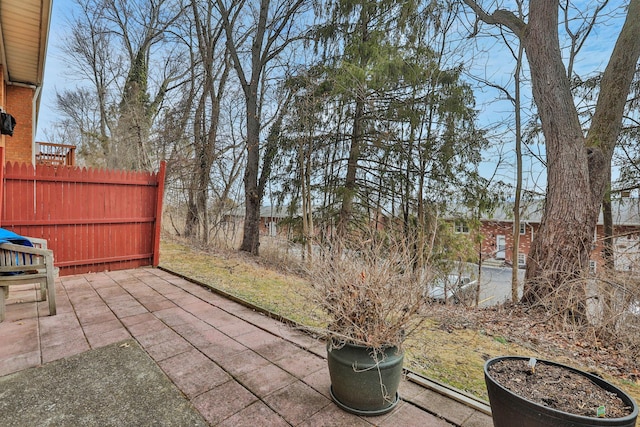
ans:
x=495 y=285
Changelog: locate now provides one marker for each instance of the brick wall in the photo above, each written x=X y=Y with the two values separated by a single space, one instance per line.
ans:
x=3 y=87
x=490 y=231
x=19 y=103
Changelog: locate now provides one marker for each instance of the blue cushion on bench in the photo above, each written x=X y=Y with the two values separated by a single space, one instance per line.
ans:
x=7 y=236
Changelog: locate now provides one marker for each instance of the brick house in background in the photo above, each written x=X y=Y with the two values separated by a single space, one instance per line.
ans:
x=271 y=219
x=497 y=231
x=24 y=32
x=498 y=228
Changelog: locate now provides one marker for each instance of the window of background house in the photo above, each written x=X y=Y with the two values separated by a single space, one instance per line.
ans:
x=461 y=227
x=523 y=228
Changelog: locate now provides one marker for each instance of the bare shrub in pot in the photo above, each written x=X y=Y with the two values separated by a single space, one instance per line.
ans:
x=372 y=293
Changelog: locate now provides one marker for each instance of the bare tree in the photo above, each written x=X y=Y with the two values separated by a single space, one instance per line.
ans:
x=257 y=33
x=209 y=74
x=90 y=54
x=576 y=164
x=140 y=25
x=114 y=47
x=79 y=124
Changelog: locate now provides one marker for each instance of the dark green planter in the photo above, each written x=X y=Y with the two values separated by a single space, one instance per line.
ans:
x=509 y=409
x=361 y=383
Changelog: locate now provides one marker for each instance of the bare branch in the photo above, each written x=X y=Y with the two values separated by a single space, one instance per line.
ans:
x=499 y=17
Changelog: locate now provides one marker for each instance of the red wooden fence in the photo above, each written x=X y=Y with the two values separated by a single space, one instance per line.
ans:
x=93 y=219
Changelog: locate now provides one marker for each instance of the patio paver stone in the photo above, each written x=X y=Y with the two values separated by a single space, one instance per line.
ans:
x=236 y=366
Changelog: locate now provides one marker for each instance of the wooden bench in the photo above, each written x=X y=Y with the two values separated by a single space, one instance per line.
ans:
x=20 y=265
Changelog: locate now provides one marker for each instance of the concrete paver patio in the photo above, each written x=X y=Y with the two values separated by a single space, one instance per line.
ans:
x=236 y=366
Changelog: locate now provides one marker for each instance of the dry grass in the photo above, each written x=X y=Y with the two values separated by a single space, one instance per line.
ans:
x=452 y=347
x=238 y=275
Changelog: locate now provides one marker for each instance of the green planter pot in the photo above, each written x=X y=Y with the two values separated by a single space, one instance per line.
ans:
x=363 y=383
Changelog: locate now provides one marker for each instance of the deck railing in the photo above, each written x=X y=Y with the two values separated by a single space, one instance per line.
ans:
x=55 y=154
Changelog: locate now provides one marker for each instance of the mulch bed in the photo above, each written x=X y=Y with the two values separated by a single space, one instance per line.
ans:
x=557 y=388
x=533 y=330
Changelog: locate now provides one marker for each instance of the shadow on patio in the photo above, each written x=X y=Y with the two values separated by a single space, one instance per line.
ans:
x=231 y=364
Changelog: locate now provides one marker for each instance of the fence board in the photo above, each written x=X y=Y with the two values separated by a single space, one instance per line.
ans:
x=93 y=219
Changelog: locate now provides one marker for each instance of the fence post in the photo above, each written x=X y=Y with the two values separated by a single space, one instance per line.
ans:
x=158 y=223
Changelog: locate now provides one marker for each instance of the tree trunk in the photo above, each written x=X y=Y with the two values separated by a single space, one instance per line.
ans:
x=607 y=219
x=192 y=221
x=203 y=177
x=357 y=136
x=346 y=211
x=251 y=237
x=561 y=248
x=304 y=164
x=518 y=193
x=576 y=167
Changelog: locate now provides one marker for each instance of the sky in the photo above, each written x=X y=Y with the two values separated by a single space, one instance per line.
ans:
x=495 y=63
x=55 y=77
